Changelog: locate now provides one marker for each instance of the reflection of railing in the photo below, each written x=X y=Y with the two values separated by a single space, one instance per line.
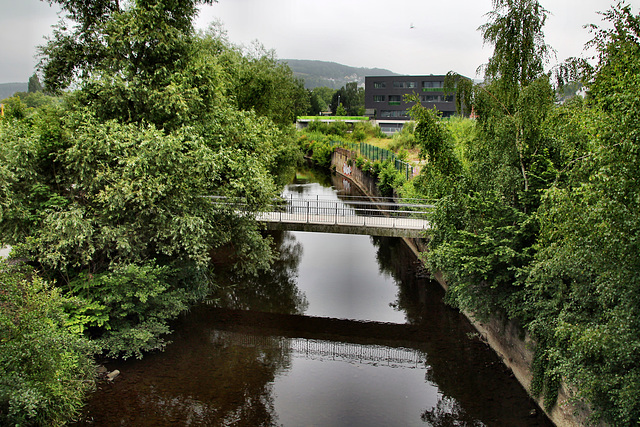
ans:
x=328 y=350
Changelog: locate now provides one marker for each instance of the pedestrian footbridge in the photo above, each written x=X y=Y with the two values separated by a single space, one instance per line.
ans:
x=349 y=216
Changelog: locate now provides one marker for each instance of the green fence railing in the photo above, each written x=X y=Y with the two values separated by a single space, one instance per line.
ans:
x=374 y=153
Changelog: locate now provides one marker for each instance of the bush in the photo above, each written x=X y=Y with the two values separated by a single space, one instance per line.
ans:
x=389 y=178
x=45 y=370
x=404 y=139
x=126 y=309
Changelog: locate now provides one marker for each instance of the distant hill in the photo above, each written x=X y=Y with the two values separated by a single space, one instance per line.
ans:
x=331 y=74
x=8 y=89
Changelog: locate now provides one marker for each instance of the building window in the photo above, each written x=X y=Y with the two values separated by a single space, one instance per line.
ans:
x=404 y=85
x=436 y=98
x=378 y=98
x=393 y=113
x=379 y=85
x=395 y=99
x=432 y=86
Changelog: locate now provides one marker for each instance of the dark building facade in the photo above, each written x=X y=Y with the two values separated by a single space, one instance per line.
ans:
x=384 y=98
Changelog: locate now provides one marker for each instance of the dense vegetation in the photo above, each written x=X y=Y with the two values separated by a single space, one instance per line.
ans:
x=104 y=194
x=537 y=220
x=104 y=189
x=538 y=212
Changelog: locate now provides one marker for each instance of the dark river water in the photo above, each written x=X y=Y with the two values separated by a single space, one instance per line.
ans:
x=344 y=331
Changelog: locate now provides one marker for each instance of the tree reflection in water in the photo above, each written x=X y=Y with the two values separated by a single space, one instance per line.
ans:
x=275 y=290
x=448 y=413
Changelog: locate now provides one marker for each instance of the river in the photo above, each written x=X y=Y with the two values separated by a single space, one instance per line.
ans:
x=345 y=330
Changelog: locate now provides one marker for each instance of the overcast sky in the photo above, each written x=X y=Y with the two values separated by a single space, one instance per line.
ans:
x=405 y=36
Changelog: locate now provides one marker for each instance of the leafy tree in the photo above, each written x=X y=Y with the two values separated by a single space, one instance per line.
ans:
x=584 y=281
x=324 y=95
x=34 y=84
x=515 y=31
x=151 y=38
x=351 y=97
x=431 y=136
x=483 y=228
x=269 y=87
x=45 y=369
x=103 y=197
x=462 y=90
x=109 y=193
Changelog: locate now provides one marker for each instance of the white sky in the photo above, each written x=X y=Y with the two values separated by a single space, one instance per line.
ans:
x=359 y=33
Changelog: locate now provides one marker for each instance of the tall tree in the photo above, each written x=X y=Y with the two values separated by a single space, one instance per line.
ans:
x=483 y=228
x=351 y=97
x=109 y=193
x=519 y=51
x=34 y=84
x=584 y=284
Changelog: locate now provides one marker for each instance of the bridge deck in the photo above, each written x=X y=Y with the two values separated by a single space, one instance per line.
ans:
x=347 y=224
x=350 y=217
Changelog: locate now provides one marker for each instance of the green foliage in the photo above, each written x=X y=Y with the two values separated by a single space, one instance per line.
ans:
x=127 y=307
x=366 y=130
x=338 y=128
x=405 y=138
x=45 y=369
x=130 y=194
x=584 y=281
x=462 y=90
x=389 y=178
x=431 y=135
x=320 y=99
x=319 y=146
x=515 y=31
x=348 y=100
x=462 y=132
x=479 y=242
x=269 y=88
x=543 y=224
x=34 y=84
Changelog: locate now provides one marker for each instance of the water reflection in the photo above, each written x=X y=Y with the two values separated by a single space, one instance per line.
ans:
x=275 y=290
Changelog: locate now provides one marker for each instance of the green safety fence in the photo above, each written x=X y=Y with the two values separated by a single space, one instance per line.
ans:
x=374 y=153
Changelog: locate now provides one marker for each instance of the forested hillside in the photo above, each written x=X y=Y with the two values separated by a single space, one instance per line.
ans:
x=8 y=89
x=330 y=74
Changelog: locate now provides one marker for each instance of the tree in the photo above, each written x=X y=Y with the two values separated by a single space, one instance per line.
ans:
x=325 y=94
x=515 y=31
x=269 y=88
x=483 y=228
x=351 y=97
x=584 y=284
x=34 y=84
x=109 y=193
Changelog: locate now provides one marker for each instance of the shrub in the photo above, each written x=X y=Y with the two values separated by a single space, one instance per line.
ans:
x=45 y=369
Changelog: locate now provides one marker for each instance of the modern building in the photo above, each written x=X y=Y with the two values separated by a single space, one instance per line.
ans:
x=384 y=98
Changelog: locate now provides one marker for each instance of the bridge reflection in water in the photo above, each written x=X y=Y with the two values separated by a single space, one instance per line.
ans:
x=370 y=354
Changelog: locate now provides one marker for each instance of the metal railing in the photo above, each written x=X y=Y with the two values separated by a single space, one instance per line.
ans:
x=374 y=153
x=353 y=212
